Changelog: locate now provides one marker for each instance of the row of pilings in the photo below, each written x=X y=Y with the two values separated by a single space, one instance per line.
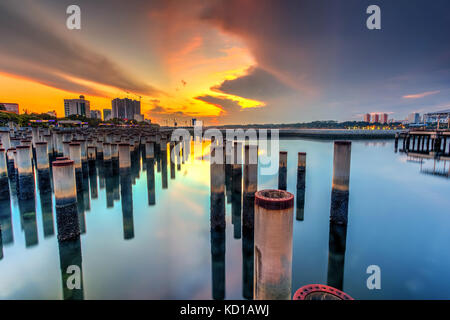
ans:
x=423 y=142
x=266 y=224
x=64 y=161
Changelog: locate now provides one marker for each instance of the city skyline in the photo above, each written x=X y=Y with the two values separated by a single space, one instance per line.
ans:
x=207 y=60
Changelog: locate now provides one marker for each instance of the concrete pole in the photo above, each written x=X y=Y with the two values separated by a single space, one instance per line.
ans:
x=301 y=178
x=339 y=213
x=217 y=223
x=106 y=152
x=126 y=190
x=236 y=195
x=248 y=218
x=273 y=245
x=43 y=168
x=4 y=183
x=75 y=155
x=282 y=171
x=5 y=138
x=25 y=171
x=66 y=200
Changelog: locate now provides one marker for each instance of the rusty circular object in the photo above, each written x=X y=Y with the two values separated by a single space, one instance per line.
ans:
x=62 y=163
x=274 y=199
x=320 y=292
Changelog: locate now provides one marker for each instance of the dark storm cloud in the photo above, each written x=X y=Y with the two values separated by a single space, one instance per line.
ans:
x=34 y=43
x=257 y=84
x=323 y=50
x=227 y=105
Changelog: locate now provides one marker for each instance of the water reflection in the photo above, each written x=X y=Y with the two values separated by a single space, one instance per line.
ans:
x=70 y=259
x=224 y=252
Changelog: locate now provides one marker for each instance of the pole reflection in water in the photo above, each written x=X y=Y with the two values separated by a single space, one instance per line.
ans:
x=126 y=190
x=47 y=213
x=217 y=222
x=93 y=179
x=6 y=222
x=228 y=168
x=163 y=157
x=236 y=196
x=172 y=160
x=70 y=260
x=250 y=187
x=27 y=210
x=339 y=213
x=149 y=154
x=273 y=245
x=301 y=177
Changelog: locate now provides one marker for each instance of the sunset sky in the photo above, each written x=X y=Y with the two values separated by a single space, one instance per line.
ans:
x=229 y=61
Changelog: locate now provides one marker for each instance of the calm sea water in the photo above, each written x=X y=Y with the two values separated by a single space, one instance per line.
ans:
x=399 y=219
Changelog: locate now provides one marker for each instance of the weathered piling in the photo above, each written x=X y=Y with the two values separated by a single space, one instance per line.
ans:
x=65 y=200
x=71 y=267
x=236 y=195
x=43 y=168
x=149 y=155
x=124 y=156
x=217 y=176
x=10 y=158
x=228 y=169
x=106 y=152
x=282 y=171
x=48 y=138
x=4 y=181
x=339 y=213
x=341 y=178
x=172 y=160
x=163 y=158
x=75 y=155
x=25 y=172
x=66 y=149
x=273 y=244
x=126 y=190
x=217 y=222
x=84 y=160
x=301 y=178
x=5 y=139
x=248 y=218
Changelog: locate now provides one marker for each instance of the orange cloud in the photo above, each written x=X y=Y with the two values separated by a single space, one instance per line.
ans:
x=421 y=95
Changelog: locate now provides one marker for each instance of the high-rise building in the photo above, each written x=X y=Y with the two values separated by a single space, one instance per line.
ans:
x=376 y=118
x=96 y=114
x=77 y=106
x=125 y=108
x=106 y=114
x=367 y=117
x=11 y=107
x=384 y=118
x=413 y=117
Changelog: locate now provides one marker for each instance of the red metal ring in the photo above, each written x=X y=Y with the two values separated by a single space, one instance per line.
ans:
x=304 y=291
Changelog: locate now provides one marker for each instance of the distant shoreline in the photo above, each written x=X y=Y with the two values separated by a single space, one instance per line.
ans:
x=327 y=134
